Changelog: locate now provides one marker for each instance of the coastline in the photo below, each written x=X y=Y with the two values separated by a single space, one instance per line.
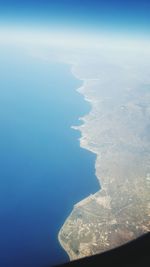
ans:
x=81 y=90
x=83 y=145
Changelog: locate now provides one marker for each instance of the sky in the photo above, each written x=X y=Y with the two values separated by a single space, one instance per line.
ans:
x=132 y=16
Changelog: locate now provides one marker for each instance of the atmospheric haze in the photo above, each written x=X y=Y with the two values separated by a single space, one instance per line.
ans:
x=115 y=72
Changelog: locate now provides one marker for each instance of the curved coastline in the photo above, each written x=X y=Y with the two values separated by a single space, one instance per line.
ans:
x=81 y=90
x=83 y=145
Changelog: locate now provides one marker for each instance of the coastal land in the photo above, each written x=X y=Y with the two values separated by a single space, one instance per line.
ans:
x=117 y=130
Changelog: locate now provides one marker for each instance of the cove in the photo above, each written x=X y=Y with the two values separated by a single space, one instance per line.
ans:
x=43 y=170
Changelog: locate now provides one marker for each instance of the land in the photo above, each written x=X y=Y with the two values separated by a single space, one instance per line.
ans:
x=117 y=130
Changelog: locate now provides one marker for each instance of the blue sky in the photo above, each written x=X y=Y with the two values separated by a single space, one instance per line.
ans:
x=115 y=15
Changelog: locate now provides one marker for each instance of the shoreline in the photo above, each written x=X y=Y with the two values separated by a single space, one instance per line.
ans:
x=81 y=140
x=83 y=118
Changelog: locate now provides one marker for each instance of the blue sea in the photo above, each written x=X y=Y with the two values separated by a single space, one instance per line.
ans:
x=43 y=170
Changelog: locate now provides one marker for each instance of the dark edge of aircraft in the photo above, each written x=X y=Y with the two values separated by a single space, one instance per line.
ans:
x=135 y=253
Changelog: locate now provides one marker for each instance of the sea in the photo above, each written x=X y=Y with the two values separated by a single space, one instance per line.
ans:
x=43 y=170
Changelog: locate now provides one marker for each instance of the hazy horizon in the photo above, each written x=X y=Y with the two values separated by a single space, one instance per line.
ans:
x=71 y=65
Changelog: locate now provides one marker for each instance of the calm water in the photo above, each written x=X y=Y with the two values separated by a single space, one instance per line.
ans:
x=43 y=171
